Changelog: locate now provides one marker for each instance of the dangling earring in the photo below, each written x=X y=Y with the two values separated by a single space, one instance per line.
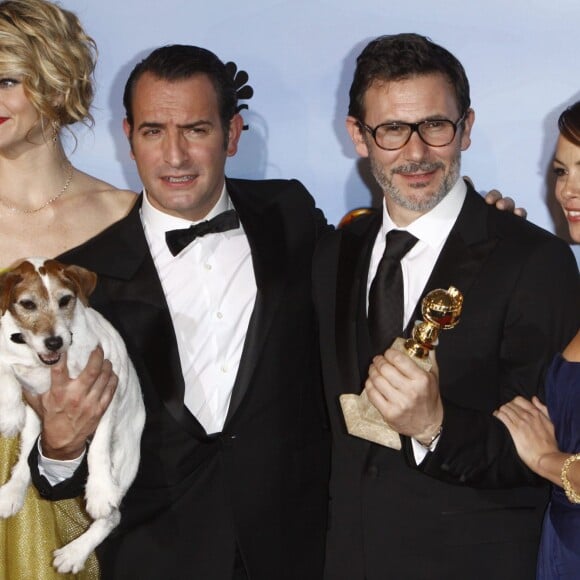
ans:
x=55 y=129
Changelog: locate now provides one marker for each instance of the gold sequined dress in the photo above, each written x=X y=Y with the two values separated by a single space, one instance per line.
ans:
x=28 y=539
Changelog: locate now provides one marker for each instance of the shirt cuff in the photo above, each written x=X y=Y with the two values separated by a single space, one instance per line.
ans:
x=420 y=451
x=56 y=470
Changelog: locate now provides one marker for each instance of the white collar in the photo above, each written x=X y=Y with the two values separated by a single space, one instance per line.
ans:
x=159 y=222
x=433 y=227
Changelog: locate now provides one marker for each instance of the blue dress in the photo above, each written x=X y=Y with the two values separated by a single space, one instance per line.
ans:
x=559 y=555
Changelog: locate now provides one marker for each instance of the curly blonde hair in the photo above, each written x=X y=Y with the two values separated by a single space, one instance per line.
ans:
x=46 y=46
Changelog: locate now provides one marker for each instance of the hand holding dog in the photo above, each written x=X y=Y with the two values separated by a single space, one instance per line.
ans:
x=46 y=304
x=405 y=395
x=71 y=409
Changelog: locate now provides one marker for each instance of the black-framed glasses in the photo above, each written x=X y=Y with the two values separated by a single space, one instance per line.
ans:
x=395 y=135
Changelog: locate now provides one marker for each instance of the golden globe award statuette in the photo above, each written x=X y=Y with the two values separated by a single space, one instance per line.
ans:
x=441 y=310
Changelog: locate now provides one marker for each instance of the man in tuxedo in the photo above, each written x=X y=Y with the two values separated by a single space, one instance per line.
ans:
x=455 y=502
x=234 y=457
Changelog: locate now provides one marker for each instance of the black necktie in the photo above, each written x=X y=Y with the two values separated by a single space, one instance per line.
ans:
x=179 y=239
x=386 y=294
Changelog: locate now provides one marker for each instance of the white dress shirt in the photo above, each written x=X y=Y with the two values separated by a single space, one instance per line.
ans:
x=210 y=289
x=431 y=231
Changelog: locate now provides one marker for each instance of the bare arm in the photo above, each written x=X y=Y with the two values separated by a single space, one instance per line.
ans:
x=532 y=430
x=533 y=433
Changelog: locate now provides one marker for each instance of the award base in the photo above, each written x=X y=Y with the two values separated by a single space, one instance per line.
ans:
x=362 y=418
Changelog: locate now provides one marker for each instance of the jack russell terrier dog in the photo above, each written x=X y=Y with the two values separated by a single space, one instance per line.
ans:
x=45 y=313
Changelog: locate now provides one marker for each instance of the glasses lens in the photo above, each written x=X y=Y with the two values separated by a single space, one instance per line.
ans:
x=392 y=135
x=437 y=133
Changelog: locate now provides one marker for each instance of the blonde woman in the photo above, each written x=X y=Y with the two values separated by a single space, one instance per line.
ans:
x=46 y=207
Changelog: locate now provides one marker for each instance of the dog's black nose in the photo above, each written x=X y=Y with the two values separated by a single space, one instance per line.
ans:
x=53 y=342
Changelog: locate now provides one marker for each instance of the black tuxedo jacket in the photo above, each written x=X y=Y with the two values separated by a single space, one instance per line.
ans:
x=471 y=509
x=261 y=484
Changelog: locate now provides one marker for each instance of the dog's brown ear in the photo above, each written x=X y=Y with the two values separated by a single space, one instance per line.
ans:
x=8 y=279
x=84 y=281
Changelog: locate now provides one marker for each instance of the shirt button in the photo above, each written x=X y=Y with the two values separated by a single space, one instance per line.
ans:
x=207 y=266
x=220 y=315
x=224 y=369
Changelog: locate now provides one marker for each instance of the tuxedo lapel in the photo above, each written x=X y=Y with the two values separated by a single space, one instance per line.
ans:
x=352 y=338
x=463 y=254
x=264 y=224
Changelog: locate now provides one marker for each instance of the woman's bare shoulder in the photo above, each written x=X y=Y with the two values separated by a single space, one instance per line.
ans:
x=107 y=200
x=572 y=351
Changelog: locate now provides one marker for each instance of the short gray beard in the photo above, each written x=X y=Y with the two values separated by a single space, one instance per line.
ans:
x=422 y=205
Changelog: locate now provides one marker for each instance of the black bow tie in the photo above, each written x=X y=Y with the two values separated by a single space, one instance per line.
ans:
x=179 y=239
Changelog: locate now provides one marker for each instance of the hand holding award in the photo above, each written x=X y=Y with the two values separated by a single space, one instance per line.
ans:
x=441 y=310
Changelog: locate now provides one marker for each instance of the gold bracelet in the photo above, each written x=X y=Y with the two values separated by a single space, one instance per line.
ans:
x=571 y=494
x=429 y=445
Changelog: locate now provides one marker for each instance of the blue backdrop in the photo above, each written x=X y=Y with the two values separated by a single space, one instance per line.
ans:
x=521 y=57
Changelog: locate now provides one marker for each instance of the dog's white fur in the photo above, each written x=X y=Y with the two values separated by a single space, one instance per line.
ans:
x=63 y=312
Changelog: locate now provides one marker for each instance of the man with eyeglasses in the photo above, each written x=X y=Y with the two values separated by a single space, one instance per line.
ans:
x=455 y=502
